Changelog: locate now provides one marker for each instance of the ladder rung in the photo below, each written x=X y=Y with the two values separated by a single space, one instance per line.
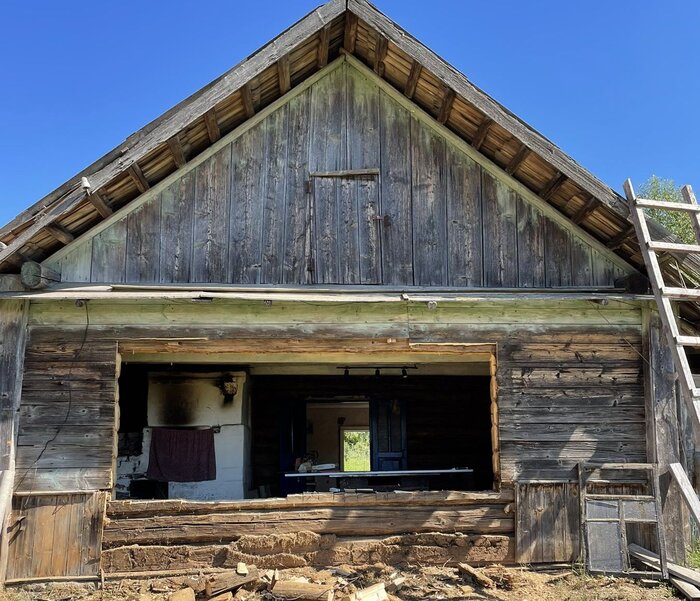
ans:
x=688 y=340
x=645 y=203
x=680 y=293
x=674 y=247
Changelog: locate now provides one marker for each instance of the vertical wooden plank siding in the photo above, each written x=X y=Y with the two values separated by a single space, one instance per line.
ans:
x=211 y=229
x=251 y=213
x=500 y=243
x=248 y=171
x=364 y=152
x=396 y=193
x=429 y=206
x=273 y=197
x=177 y=235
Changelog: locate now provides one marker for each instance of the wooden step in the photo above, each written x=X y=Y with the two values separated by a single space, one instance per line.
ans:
x=680 y=293
x=674 y=247
x=688 y=340
x=645 y=203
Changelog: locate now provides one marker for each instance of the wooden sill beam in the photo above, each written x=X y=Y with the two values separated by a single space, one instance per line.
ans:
x=481 y=133
x=212 y=126
x=178 y=152
x=139 y=178
x=446 y=106
x=247 y=99
x=413 y=78
x=350 y=37
x=60 y=233
x=617 y=241
x=553 y=185
x=380 y=50
x=99 y=203
x=323 y=42
x=583 y=213
x=517 y=159
x=284 y=74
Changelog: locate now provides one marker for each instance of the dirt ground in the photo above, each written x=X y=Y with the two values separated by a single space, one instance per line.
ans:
x=419 y=583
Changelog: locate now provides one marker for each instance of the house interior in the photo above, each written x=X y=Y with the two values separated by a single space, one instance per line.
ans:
x=226 y=432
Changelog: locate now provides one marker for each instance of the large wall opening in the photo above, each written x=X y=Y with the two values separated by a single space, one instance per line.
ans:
x=222 y=432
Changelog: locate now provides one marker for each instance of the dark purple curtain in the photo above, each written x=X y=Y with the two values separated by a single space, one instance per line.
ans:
x=181 y=455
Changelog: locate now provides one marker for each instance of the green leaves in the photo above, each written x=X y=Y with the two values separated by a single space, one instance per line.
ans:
x=656 y=188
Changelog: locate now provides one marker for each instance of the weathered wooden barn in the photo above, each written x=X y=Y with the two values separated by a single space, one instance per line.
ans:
x=340 y=239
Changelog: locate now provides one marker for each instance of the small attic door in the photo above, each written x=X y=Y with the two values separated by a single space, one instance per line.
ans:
x=347 y=222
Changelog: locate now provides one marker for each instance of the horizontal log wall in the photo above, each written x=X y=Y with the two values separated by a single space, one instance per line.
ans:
x=277 y=202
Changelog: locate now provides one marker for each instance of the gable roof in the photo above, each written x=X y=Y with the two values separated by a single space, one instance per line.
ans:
x=356 y=28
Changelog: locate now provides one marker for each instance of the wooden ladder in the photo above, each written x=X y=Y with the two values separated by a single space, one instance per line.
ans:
x=663 y=294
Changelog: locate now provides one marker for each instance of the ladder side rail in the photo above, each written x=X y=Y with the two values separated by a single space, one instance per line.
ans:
x=689 y=198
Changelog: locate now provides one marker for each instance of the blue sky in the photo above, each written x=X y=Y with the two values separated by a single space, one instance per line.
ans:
x=615 y=84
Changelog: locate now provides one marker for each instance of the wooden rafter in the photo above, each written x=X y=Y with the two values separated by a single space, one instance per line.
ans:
x=284 y=75
x=446 y=107
x=60 y=233
x=323 y=43
x=247 y=98
x=413 y=78
x=95 y=198
x=138 y=177
x=380 y=49
x=481 y=133
x=552 y=186
x=176 y=149
x=212 y=126
x=517 y=159
x=582 y=214
x=618 y=240
x=350 y=37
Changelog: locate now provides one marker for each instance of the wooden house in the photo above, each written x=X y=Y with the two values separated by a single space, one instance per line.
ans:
x=341 y=239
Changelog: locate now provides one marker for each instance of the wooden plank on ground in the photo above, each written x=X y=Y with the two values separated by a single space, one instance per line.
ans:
x=652 y=560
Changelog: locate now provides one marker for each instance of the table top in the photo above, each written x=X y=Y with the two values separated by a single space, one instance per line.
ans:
x=454 y=470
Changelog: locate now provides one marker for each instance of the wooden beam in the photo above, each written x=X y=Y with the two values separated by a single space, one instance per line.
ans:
x=212 y=126
x=323 y=41
x=446 y=106
x=380 y=49
x=413 y=78
x=617 y=241
x=588 y=208
x=481 y=133
x=36 y=276
x=691 y=498
x=247 y=99
x=517 y=159
x=177 y=150
x=350 y=36
x=99 y=203
x=284 y=74
x=553 y=185
x=139 y=178
x=60 y=233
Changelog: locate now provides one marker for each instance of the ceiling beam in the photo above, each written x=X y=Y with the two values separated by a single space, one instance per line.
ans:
x=553 y=185
x=380 y=49
x=212 y=126
x=517 y=159
x=350 y=36
x=60 y=233
x=413 y=78
x=284 y=75
x=139 y=178
x=95 y=198
x=178 y=152
x=446 y=107
x=481 y=133
x=247 y=99
x=323 y=43
x=582 y=214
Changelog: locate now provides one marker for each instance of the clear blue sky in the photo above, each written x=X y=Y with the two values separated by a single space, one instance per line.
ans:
x=616 y=83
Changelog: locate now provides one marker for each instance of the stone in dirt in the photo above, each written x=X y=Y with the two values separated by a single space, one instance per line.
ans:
x=185 y=594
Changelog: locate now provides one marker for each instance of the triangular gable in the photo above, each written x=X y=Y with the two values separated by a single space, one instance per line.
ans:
x=435 y=213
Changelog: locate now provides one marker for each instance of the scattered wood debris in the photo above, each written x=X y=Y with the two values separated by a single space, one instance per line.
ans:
x=305 y=591
x=184 y=594
x=476 y=576
x=229 y=581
